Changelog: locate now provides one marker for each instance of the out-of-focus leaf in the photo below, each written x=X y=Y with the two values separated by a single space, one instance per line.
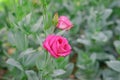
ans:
x=14 y=63
x=93 y=57
x=58 y=72
x=109 y=74
x=25 y=20
x=114 y=65
x=100 y=37
x=78 y=19
x=26 y=52
x=104 y=56
x=68 y=68
x=68 y=5
x=40 y=63
x=18 y=39
x=109 y=34
x=31 y=75
x=117 y=30
x=61 y=62
x=38 y=25
x=115 y=4
x=40 y=39
x=117 y=46
x=61 y=32
x=84 y=41
x=107 y=13
x=31 y=59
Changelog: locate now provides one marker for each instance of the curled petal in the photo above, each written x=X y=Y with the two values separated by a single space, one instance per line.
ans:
x=57 y=46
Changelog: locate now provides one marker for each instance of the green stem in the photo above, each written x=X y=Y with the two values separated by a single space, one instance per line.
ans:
x=48 y=58
x=44 y=15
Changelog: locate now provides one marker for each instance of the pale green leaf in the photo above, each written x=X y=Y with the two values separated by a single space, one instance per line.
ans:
x=14 y=63
x=31 y=75
x=58 y=72
x=115 y=65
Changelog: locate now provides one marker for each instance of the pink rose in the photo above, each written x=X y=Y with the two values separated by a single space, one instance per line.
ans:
x=64 y=23
x=57 y=46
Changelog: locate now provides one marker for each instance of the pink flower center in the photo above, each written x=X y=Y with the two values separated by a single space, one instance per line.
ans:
x=60 y=41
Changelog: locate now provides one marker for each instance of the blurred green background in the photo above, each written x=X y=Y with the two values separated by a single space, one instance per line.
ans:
x=95 y=37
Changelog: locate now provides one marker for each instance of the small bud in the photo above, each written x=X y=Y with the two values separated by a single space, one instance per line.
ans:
x=55 y=18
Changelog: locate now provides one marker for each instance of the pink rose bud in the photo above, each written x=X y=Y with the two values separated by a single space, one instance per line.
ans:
x=57 y=46
x=64 y=23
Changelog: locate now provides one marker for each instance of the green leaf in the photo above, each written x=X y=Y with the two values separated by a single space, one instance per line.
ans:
x=14 y=63
x=18 y=39
x=104 y=56
x=31 y=59
x=58 y=72
x=40 y=63
x=115 y=65
x=38 y=25
x=26 y=52
x=109 y=74
x=69 y=68
x=40 y=40
x=31 y=75
x=25 y=20
x=61 y=32
x=84 y=41
x=62 y=62
x=93 y=57
x=100 y=37
x=117 y=45
x=107 y=13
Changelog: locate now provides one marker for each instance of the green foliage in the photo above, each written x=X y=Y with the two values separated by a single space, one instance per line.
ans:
x=114 y=65
x=31 y=75
x=95 y=38
x=14 y=63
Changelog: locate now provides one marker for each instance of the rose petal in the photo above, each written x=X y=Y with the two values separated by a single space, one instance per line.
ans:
x=64 y=23
x=57 y=46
